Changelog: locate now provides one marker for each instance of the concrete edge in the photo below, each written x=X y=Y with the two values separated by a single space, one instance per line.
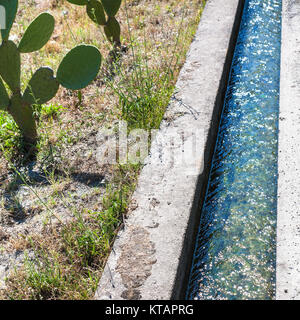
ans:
x=152 y=254
x=181 y=282
x=288 y=205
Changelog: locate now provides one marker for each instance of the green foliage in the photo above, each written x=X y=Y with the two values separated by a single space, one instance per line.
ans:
x=77 y=69
x=51 y=110
x=111 y=6
x=87 y=60
x=10 y=65
x=96 y=10
x=42 y=87
x=8 y=128
x=72 y=271
x=11 y=7
x=112 y=30
x=38 y=33
x=4 y=98
x=79 y=2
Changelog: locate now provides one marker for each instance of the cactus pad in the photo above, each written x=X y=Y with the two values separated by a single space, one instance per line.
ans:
x=79 y=2
x=24 y=118
x=79 y=67
x=42 y=87
x=112 y=30
x=4 y=99
x=96 y=13
x=11 y=7
x=111 y=7
x=10 y=62
x=38 y=33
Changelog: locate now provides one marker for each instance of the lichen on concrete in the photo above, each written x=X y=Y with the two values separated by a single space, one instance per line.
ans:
x=139 y=253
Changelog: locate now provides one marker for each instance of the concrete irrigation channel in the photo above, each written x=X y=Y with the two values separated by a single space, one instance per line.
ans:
x=153 y=254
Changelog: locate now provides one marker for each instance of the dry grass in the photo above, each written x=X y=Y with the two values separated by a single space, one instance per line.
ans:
x=62 y=219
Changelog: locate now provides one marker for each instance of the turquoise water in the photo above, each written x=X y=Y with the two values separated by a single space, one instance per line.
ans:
x=235 y=251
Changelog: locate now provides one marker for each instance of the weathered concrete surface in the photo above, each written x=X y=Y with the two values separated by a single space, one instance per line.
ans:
x=288 y=221
x=151 y=256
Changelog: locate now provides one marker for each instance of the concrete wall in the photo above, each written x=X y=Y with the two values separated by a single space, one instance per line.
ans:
x=152 y=254
x=288 y=213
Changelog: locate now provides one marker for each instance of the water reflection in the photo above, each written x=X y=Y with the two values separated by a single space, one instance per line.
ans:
x=235 y=248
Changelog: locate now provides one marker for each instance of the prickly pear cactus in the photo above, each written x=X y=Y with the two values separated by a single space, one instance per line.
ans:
x=87 y=60
x=37 y=34
x=77 y=69
x=103 y=13
x=11 y=7
x=42 y=87
x=4 y=98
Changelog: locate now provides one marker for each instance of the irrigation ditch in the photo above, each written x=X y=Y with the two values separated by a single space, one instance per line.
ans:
x=240 y=184
x=153 y=252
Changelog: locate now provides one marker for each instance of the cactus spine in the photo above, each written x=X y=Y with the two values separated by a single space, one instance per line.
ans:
x=103 y=13
x=77 y=69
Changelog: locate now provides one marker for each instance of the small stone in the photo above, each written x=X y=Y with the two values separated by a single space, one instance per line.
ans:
x=3 y=235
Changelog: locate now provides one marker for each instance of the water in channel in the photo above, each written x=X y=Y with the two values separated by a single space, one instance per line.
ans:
x=235 y=250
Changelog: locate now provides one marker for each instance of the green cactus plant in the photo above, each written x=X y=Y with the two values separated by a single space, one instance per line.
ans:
x=103 y=13
x=77 y=69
